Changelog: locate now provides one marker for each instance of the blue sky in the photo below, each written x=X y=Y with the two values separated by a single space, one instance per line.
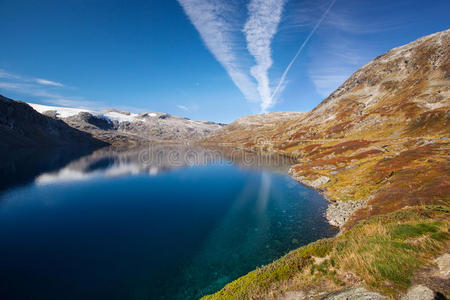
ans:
x=205 y=59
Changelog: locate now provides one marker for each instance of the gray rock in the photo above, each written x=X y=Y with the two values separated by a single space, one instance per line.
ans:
x=357 y=293
x=338 y=212
x=443 y=263
x=316 y=183
x=419 y=292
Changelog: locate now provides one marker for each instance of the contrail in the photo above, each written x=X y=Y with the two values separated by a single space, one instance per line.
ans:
x=301 y=48
x=260 y=28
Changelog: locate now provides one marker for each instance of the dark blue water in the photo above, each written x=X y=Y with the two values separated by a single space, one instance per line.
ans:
x=112 y=226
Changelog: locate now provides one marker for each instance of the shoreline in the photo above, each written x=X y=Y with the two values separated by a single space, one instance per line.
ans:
x=337 y=212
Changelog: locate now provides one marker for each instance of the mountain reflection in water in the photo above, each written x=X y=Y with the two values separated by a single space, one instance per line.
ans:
x=158 y=222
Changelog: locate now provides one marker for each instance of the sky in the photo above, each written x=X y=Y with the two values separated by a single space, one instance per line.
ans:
x=212 y=60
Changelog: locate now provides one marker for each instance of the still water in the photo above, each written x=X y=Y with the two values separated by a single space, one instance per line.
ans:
x=159 y=222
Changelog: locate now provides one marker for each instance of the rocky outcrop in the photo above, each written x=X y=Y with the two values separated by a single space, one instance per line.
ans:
x=357 y=293
x=419 y=292
x=21 y=125
x=340 y=211
x=314 y=183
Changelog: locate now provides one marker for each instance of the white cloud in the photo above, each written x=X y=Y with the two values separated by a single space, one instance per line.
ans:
x=213 y=21
x=325 y=84
x=260 y=28
x=28 y=89
x=182 y=107
x=10 y=76
x=48 y=91
x=48 y=82
x=222 y=34
x=6 y=75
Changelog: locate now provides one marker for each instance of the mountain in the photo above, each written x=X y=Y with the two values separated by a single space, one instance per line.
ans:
x=120 y=127
x=21 y=125
x=250 y=128
x=378 y=148
x=379 y=142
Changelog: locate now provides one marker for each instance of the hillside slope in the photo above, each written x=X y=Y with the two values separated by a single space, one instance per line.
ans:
x=382 y=137
x=378 y=148
x=21 y=125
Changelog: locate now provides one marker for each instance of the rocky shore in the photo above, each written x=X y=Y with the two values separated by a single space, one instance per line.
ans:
x=338 y=212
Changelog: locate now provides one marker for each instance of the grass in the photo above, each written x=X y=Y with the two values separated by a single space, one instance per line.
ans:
x=382 y=253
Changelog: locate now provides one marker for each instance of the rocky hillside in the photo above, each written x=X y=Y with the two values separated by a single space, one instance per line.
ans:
x=21 y=125
x=119 y=127
x=402 y=93
x=378 y=148
x=244 y=129
x=381 y=139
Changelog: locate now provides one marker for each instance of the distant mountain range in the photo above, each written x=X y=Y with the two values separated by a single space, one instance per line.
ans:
x=35 y=124
x=120 y=127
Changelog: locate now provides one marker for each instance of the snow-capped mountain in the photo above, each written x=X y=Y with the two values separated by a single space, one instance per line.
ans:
x=120 y=127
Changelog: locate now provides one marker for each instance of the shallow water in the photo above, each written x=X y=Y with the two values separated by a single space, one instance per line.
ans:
x=154 y=223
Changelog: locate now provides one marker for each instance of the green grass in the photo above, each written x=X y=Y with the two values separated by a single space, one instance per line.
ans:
x=382 y=252
x=404 y=231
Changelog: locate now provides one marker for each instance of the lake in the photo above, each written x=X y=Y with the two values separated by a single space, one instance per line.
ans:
x=159 y=222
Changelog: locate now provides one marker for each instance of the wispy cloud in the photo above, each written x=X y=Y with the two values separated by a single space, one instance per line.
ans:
x=6 y=75
x=47 y=91
x=302 y=46
x=11 y=76
x=214 y=20
x=29 y=89
x=48 y=82
x=331 y=65
x=260 y=28
x=341 y=50
x=182 y=107
x=325 y=83
x=227 y=37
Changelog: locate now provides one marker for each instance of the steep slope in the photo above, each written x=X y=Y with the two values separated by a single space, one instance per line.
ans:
x=378 y=148
x=21 y=125
x=402 y=93
x=119 y=127
x=381 y=137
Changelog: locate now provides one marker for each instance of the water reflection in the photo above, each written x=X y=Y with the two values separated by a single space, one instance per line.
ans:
x=142 y=224
x=22 y=166
x=152 y=160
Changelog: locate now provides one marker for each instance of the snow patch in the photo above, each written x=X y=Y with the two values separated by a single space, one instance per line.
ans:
x=65 y=112
x=62 y=112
